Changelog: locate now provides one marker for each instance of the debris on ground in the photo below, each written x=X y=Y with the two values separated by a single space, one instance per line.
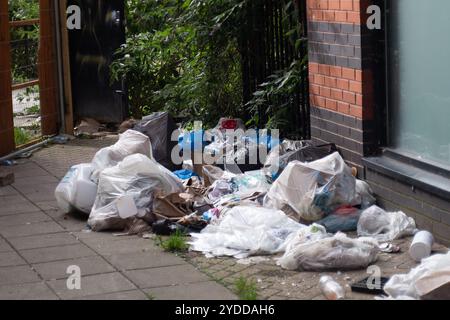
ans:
x=300 y=206
x=6 y=177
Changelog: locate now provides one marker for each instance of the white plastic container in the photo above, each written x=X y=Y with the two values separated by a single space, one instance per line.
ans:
x=331 y=289
x=76 y=190
x=421 y=246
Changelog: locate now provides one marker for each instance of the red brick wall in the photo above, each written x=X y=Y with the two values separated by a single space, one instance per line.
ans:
x=340 y=74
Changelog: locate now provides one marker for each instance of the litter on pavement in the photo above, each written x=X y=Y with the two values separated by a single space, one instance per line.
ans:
x=296 y=203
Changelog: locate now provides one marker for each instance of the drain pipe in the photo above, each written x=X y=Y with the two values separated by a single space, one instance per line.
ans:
x=60 y=67
x=29 y=149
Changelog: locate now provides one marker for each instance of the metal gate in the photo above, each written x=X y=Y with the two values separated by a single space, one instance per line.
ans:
x=266 y=49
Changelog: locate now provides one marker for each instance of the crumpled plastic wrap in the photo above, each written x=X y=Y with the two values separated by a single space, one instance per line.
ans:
x=385 y=226
x=364 y=195
x=245 y=231
x=313 y=189
x=431 y=274
x=130 y=142
x=329 y=253
x=137 y=176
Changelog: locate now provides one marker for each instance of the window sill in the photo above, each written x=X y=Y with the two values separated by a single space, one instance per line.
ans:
x=409 y=171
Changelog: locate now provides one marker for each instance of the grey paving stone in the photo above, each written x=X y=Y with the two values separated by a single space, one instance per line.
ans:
x=93 y=285
x=4 y=246
x=43 y=240
x=127 y=295
x=30 y=230
x=29 y=170
x=88 y=266
x=29 y=291
x=195 y=291
x=38 y=193
x=24 y=218
x=11 y=258
x=38 y=180
x=47 y=205
x=18 y=275
x=166 y=276
x=57 y=253
x=143 y=260
x=8 y=191
x=15 y=204
x=107 y=247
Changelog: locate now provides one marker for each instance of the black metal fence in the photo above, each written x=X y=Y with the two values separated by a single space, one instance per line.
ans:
x=266 y=49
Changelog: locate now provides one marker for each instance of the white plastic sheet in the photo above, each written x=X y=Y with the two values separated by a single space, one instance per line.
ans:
x=246 y=231
x=313 y=189
x=138 y=177
x=330 y=253
x=130 y=142
x=76 y=190
x=385 y=226
x=430 y=275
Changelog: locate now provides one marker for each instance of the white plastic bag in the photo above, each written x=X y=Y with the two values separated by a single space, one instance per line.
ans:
x=76 y=190
x=430 y=275
x=130 y=142
x=364 y=195
x=330 y=253
x=385 y=226
x=313 y=189
x=136 y=176
x=246 y=231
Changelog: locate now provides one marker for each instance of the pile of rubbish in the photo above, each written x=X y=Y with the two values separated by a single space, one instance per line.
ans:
x=298 y=204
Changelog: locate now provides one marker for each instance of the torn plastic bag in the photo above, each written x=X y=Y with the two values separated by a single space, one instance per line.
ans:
x=246 y=231
x=431 y=275
x=331 y=253
x=344 y=219
x=159 y=127
x=76 y=190
x=250 y=182
x=288 y=151
x=131 y=142
x=136 y=177
x=385 y=226
x=314 y=189
x=364 y=195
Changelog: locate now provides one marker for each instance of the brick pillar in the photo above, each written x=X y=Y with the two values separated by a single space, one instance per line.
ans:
x=6 y=109
x=47 y=67
x=341 y=77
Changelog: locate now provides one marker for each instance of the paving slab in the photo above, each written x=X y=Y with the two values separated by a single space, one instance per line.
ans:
x=8 y=191
x=30 y=291
x=56 y=253
x=16 y=204
x=120 y=296
x=18 y=275
x=107 y=247
x=38 y=192
x=93 y=285
x=23 y=219
x=58 y=270
x=144 y=260
x=166 y=276
x=194 y=291
x=24 y=182
x=43 y=241
x=30 y=229
x=11 y=258
x=4 y=246
x=29 y=170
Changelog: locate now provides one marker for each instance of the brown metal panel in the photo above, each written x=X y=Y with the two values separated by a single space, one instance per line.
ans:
x=47 y=67
x=6 y=108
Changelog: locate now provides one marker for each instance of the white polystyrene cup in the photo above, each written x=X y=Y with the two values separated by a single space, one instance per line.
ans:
x=421 y=246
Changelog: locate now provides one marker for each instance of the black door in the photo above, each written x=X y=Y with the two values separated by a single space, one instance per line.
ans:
x=91 y=53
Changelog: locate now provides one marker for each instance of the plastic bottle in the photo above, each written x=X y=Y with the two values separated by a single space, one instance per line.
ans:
x=331 y=289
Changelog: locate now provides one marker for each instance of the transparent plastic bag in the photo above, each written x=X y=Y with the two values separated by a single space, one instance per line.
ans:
x=136 y=176
x=385 y=226
x=431 y=274
x=130 y=142
x=76 y=190
x=246 y=231
x=330 y=253
x=313 y=189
